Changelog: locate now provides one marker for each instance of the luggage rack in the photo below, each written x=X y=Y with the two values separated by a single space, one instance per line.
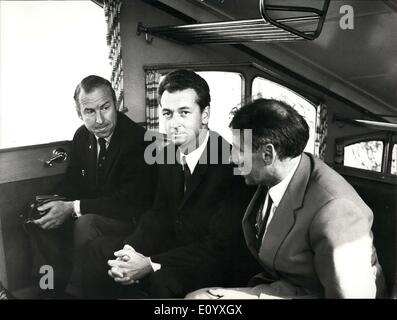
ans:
x=252 y=30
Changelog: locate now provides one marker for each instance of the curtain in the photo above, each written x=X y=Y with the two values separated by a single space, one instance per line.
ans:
x=321 y=132
x=112 y=13
x=152 y=80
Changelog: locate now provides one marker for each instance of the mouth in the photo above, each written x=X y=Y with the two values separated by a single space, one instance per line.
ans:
x=177 y=134
x=101 y=129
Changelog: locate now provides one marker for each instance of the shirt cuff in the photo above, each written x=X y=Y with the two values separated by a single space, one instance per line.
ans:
x=76 y=208
x=155 y=266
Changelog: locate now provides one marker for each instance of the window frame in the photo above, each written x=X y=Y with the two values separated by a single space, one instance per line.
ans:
x=388 y=138
x=298 y=93
x=15 y=144
x=248 y=71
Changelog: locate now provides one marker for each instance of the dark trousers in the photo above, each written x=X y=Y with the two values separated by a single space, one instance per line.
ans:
x=90 y=279
x=59 y=247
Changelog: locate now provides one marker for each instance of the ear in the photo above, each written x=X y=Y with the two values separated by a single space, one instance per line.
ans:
x=205 y=116
x=268 y=154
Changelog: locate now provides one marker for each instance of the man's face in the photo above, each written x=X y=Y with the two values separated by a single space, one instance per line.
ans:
x=249 y=163
x=98 y=111
x=183 y=118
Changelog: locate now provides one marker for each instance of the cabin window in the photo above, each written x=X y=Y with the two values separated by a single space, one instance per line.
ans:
x=394 y=160
x=365 y=155
x=226 y=94
x=374 y=152
x=47 y=47
x=263 y=88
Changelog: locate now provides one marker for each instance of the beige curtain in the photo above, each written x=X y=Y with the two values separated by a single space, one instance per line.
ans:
x=152 y=80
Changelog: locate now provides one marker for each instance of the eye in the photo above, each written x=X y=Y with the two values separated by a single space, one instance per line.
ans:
x=167 y=114
x=105 y=107
x=89 y=111
x=184 y=113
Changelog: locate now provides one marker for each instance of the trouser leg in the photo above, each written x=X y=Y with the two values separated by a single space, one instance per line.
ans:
x=51 y=253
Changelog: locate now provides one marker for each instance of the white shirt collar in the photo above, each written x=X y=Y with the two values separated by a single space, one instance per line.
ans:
x=277 y=191
x=193 y=157
x=107 y=139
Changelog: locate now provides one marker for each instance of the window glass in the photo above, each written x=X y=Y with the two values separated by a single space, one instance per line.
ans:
x=226 y=92
x=263 y=88
x=364 y=155
x=47 y=47
x=394 y=160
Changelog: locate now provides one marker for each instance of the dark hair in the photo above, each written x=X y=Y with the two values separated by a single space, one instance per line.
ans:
x=88 y=84
x=182 y=79
x=274 y=122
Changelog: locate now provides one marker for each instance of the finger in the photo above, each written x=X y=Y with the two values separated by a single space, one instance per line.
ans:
x=110 y=274
x=217 y=292
x=122 y=253
x=116 y=272
x=42 y=213
x=128 y=247
x=125 y=258
x=117 y=263
x=121 y=279
x=48 y=225
x=130 y=282
x=46 y=206
x=43 y=220
x=53 y=226
x=124 y=280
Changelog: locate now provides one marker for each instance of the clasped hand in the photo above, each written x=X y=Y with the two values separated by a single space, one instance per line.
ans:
x=129 y=266
x=59 y=212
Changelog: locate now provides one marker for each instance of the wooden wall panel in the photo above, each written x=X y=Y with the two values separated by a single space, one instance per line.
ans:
x=25 y=163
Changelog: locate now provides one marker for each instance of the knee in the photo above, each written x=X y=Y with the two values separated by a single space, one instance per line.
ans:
x=161 y=285
x=200 y=294
x=85 y=229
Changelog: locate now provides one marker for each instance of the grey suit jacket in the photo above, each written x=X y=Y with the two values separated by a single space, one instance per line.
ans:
x=319 y=241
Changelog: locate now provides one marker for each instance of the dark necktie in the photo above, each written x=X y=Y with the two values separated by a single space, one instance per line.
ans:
x=101 y=161
x=261 y=221
x=186 y=173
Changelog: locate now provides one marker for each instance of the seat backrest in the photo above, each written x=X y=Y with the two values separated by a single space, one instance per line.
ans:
x=381 y=197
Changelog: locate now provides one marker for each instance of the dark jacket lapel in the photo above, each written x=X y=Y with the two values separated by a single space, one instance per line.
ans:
x=91 y=157
x=199 y=171
x=249 y=224
x=284 y=216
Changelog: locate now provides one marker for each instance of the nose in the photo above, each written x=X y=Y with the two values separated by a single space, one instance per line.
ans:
x=99 y=117
x=175 y=121
x=233 y=158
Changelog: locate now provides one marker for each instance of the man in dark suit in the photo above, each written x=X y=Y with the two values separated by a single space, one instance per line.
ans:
x=306 y=225
x=191 y=234
x=107 y=181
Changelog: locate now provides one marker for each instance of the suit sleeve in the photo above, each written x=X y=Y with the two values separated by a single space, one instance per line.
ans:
x=154 y=233
x=341 y=238
x=68 y=186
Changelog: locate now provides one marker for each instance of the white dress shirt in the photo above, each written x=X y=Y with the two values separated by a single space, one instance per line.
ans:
x=193 y=157
x=277 y=192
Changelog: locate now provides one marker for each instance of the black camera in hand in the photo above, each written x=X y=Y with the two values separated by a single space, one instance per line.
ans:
x=31 y=213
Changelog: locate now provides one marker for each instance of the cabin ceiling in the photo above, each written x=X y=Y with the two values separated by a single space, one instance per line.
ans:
x=364 y=59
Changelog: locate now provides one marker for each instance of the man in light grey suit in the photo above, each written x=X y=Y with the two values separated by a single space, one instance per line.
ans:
x=306 y=225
